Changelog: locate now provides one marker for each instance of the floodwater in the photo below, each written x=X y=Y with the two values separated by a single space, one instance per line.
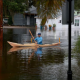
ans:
x=29 y=63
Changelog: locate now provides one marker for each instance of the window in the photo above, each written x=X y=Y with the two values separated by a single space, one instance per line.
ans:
x=76 y=22
x=76 y=33
x=59 y=21
x=78 y=12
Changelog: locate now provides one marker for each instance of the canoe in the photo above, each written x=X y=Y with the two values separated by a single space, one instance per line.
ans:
x=19 y=48
x=31 y=44
x=21 y=45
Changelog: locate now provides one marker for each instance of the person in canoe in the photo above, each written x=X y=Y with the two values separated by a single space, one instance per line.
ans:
x=39 y=39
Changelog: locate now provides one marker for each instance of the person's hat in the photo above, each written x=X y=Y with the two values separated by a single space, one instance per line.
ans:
x=39 y=33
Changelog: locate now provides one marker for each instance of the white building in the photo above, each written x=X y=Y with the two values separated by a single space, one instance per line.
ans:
x=58 y=22
x=61 y=30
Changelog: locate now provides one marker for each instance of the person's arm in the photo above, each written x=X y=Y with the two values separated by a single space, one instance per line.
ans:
x=35 y=39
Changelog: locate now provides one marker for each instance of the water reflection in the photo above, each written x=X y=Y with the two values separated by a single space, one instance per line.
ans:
x=19 y=48
x=54 y=56
x=28 y=63
x=1 y=41
x=1 y=48
x=39 y=53
x=20 y=35
x=76 y=33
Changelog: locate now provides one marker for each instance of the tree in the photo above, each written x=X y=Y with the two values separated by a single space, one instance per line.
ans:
x=31 y=2
x=45 y=8
x=77 y=4
x=48 y=8
x=1 y=13
x=10 y=7
x=77 y=46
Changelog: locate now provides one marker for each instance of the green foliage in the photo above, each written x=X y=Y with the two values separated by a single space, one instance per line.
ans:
x=10 y=7
x=77 y=46
x=10 y=20
x=48 y=8
x=45 y=8
x=14 y=6
x=5 y=8
x=54 y=25
x=77 y=4
x=31 y=2
x=43 y=20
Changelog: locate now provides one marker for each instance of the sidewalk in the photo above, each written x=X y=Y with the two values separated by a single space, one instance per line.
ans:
x=17 y=27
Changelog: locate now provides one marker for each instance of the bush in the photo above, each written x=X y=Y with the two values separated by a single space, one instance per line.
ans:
x=54 y=25
x=77 y=46
x=10 y=20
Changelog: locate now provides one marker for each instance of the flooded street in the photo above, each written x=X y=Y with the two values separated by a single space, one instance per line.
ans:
x=47 y=63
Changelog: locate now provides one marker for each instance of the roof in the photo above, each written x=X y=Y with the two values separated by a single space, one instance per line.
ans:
x=59 y=13
x=31 y=10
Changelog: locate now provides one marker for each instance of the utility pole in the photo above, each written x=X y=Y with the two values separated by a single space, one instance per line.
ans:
x=1 y=27
x=69 y=72
x=1 y=33
x=68 y=18
x=1 y=13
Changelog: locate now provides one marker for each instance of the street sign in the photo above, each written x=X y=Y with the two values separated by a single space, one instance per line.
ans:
x=65 y=12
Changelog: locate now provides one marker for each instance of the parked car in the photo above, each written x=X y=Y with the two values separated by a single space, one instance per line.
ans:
x=5 y=20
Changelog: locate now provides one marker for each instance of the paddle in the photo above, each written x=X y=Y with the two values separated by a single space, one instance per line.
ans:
x=32 y=36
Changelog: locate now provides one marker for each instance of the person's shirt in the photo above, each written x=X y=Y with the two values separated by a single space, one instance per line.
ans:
x=39 y=40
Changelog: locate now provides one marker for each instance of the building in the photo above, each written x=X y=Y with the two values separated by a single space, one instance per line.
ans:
x=58 y=21
x=26 y=19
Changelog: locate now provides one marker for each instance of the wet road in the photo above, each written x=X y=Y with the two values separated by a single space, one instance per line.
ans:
x=47 y=63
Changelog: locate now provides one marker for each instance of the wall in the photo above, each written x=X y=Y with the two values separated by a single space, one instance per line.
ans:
x=18 y=19
x=56 y=21
x=24 y=20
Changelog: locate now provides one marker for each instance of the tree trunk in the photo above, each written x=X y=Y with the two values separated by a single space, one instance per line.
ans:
x=1 y=13
x=12 y=14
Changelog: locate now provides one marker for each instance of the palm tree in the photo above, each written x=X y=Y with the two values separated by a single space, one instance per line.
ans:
x=48 y=8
